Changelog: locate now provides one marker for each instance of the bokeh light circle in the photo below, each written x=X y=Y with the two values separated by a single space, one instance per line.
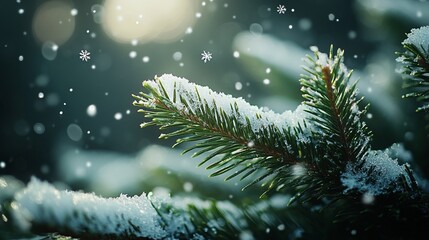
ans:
x=147 y=20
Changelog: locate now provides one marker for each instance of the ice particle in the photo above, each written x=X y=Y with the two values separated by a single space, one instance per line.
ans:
x=145 y=59
x=268 y=70
x=236 y=54
x=238 y=86
x=91 y=110
x=133 y=54
x=198 y=14
x=21 y=11
x=118 y=116
x=2 y=164
x=41 y=95
x=73 y=12
x=21 y=58
x=266 y=81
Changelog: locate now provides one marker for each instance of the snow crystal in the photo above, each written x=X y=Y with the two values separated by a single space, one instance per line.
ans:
x=418 y=37
x=377 y=176
x=259 y=118
x=41 y=203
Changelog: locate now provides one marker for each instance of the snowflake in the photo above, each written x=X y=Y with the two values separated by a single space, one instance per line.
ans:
x=281 y=9
x=206 y=56
x=84 y=55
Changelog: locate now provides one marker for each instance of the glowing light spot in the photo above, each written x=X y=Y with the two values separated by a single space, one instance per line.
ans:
x=133 y=54
x=164 y=20
x=266 y=81
x=74 y=12
x=118 y=116
x=91 y=110
x=52 y=22
x=238 y=86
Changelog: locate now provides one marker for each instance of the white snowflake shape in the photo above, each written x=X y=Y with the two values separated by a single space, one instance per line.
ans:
x=206 y=56
x=84 y=55
x=281 y=9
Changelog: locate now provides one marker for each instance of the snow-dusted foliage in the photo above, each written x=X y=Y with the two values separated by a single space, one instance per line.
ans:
x=197 y=96
x=378 y=175
x=42 y=204
x=418 y=37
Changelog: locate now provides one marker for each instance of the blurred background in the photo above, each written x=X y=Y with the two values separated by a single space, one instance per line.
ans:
x=72 y=122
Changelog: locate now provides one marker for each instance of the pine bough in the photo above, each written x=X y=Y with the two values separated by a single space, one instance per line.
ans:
x=319 y=155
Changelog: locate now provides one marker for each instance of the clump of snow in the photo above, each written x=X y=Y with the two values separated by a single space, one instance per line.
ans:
x=41 y=203
x=418 y=37
x=397 y=150
x=378 y=175
x=259 y=118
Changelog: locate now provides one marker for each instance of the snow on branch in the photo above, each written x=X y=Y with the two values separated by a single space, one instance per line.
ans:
x=419 y=37
x=196 y=96
x=380 y=173
x=41 y=204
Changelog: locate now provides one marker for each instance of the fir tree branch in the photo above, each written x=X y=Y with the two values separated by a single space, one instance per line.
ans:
x=247 y=138
x=415 y=69
x=334 y=109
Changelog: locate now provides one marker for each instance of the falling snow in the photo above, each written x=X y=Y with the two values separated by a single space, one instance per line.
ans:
x=206 y=56
x=84 y=55
x=281 y=9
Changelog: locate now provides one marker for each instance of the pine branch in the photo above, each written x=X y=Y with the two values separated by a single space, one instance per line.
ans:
x=342 y=135
x=43 y=209
x=415 y=69
x=319 y=150
x=247 y=138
